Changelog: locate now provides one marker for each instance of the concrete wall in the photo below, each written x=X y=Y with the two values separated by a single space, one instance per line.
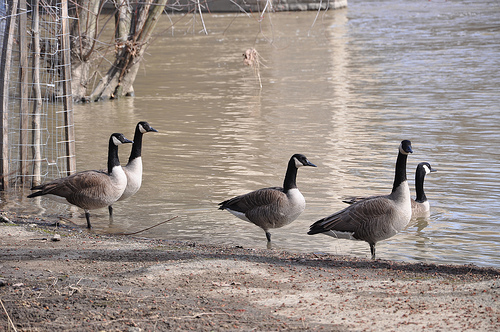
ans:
x=251 y=6
x=259 y=5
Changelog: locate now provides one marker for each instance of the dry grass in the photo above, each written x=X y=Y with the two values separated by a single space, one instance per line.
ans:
x=253 y=59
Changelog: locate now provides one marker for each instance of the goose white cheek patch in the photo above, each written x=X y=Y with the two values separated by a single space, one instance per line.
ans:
x=297 y=163
x=116 y=141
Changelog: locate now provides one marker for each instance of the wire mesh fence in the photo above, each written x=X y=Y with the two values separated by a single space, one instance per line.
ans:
x=37 y=139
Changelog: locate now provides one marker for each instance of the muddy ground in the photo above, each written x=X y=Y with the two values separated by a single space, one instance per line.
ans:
x=87 y=282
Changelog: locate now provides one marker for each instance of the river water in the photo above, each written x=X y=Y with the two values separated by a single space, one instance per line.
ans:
x=342 y=87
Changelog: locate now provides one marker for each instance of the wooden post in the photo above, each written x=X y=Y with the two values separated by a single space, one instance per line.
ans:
x=37 y=95
x=6 y=56
x=67 y=95
x=24 y=92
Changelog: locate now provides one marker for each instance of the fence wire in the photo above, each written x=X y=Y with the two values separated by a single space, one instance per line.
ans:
x=36 y=132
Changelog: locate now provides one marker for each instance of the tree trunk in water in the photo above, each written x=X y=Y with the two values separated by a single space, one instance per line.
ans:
x=83 y=36
x=119 y=79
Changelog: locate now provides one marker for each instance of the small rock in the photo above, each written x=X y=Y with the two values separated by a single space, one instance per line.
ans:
x=56 y=237
x=134 y=329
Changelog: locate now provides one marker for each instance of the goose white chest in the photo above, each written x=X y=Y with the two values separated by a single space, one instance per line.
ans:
x=402 y=199
x=133 y=172
x=118 y=181
x=297 y=204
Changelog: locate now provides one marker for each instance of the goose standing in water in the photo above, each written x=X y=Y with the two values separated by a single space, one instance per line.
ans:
x=91 y=189
x=272 y=207
x=133 y=169
x=375 y=218
x=420 y=206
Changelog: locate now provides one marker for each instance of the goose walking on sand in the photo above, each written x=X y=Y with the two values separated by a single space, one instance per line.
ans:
x=272 y=207
x=375 y=218
x=93 y=189
x=133 y=169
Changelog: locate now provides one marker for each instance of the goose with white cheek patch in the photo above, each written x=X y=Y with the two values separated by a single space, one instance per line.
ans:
x=133 y=169
x=375 y=218
x=273 y=207
x=93 y=189
x=420 y=206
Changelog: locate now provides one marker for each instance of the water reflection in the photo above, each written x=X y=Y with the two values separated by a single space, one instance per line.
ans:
x=344 y=91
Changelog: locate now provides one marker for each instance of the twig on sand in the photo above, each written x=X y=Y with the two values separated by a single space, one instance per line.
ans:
x=67 y=219
x=145 y=229
x=198 y=315
x=8 y=317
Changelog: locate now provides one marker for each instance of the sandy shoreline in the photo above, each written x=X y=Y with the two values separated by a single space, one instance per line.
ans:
x=88 y=282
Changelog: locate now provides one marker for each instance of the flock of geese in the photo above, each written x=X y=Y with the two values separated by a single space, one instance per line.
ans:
x=370 y=219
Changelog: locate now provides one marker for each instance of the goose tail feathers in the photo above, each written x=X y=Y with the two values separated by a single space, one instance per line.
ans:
x=318 y=227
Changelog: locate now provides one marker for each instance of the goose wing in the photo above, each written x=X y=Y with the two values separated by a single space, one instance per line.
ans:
x=355 y=217
x=81 y=183
x=254 y=200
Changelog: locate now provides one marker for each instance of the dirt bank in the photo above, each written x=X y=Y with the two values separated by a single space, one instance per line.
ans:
x=87 y=282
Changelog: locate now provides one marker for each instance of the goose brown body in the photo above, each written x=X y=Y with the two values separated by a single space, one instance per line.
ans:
x=92 y=189
x=375 y=218
x=88 y=190
x=272 y=207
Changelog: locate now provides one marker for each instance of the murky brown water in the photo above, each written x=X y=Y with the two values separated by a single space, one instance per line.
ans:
x=344 y=89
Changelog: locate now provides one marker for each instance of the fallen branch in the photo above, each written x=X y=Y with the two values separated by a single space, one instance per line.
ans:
x=67 y=219
x=145 y=229
x=201 y=314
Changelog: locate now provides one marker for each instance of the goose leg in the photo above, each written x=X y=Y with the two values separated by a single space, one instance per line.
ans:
x=87 y=216
x=110 y=209
x=268 y=236
x=372 y=250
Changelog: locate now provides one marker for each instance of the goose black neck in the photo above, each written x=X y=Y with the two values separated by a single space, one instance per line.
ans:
x=400 y=175
x=137 y=145
x=290 y=176
x=112 y=156
x=419 y=186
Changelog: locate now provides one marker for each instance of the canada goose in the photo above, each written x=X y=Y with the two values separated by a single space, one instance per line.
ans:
x=92 y=189
x=375 y=218
x=133 y=169
x=272 y=207
x=420 y=205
